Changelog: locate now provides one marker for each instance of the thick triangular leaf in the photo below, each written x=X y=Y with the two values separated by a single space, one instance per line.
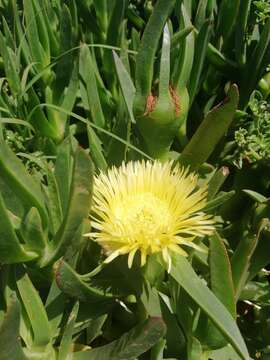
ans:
x=184 y=274
x=10 y=347
x=24 y=186
x=33 y=306
x=210 y=131
x=66 y=341
x=130 y=345
x=78 y=208
x=11 y=251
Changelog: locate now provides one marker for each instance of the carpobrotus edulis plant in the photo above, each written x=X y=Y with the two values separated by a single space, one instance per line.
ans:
x=150 y=207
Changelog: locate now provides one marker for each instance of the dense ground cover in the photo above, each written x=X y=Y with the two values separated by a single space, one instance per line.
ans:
x=134 y=179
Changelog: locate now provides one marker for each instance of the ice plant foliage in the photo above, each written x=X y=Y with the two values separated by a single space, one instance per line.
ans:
x=150 y=207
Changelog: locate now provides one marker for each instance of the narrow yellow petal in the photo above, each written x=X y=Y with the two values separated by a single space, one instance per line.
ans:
x=143 y=258
x=131 y=257
x=150 y=207
x=112 y=257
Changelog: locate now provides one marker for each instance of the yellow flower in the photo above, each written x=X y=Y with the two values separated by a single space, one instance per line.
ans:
x=150 y=207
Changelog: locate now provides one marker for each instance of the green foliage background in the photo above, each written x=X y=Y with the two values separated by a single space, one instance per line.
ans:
x=88 y=84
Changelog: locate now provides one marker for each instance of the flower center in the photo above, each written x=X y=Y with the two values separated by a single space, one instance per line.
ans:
x=143 y=218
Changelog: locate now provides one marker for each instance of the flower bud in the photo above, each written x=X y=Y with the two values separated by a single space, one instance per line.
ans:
x=160 y=118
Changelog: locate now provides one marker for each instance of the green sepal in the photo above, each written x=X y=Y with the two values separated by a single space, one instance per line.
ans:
x=74 y=285
x=159 y=126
